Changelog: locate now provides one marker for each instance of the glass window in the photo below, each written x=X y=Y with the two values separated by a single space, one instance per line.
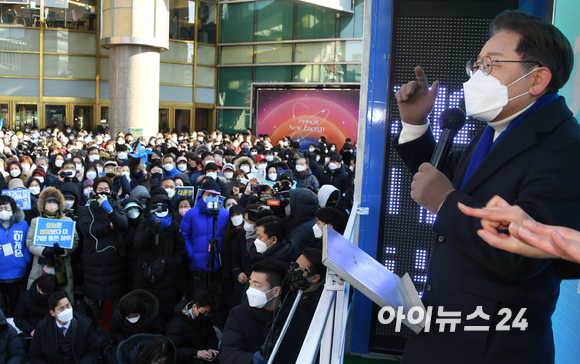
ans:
x=25 y=115
x=178 y=52
x=205 y=54
x=349 y=51
x=316 y=73
x=314 y=52
x=19 y=64
x=236 y=55
x=314 y=23
x=272 y=74
x=19 y=39
x=69 y=66
x=207 y=29
x=103 y=69
x=273 y=53
x=205 y=76
x=55 y=115
x=232 y=121
x=164 y=120
x=104 y=115
x=103 y=51
x=237 y=23
x=234 y=86
x=83 y=117
x=182 y=19
x=352 y=73
x=70 y=14
x=179 y=74
x=359 y=15
x=203 y=119
x=182 y=120
x=274 y=20
x=20 y=14
x=4 y=114
x=62 y=41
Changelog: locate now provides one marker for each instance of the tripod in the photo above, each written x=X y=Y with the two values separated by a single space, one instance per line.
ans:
x=212 y=249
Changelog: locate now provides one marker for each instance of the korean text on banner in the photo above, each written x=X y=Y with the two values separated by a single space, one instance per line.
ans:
x=50 y=231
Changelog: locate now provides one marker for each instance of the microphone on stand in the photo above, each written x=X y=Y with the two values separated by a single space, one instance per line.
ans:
x=451 y=121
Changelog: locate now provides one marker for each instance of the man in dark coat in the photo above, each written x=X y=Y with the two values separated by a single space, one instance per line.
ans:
x=335 y=174
x=63 y=337
x=532 y=163
x=303 y=207
x=103 y=223
x=191 y=331
x=250 y=324
x=32 y=304
x=11 y=347
x=270 y=243
x=303 y=175
x=138 y=313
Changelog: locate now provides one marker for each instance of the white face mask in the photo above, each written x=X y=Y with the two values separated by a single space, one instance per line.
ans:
x=5 y=215
x=332 y=166
x=133 y=319
x=127 y=175
x=300 y=168
x=87 y=192
x=317 y=231
x=91 y=175
x=170 y=192
x=25 y=167
x=161 y=214
x=257 y=298
x=228 y=175
x=311 y=150
x=15 y=173
x=40 y=179
x=248 y=227
x=182 y=167
x=51 y=207
x=68 y=204
x=34 y=190
x=269 y=158
x=45 y=167
x=351 y=168
x=58 y=163
x=94 y=157
x=168 y=167
x=122 y=155
x=99 y=169
x=66 y=315
x=485 y=96
x=260 y=245
x=272 y=176
x=237 y=220
x=212 y=175
x=261 y=167
x=78 y=166
x=133 y=213
x=245 y=168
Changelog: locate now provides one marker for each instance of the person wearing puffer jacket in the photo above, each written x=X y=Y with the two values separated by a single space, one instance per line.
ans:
x=14 y=255
x=11 y=347
x=51 y=206
x=301 y=218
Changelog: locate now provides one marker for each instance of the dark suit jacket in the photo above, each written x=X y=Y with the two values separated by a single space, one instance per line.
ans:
x=535 y=166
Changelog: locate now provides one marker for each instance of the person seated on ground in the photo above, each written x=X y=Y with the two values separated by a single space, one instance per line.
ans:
x=32 y=304
x=310 y=262
x=301 y=215
x=138 y=313
x=332 y=216
x=11 y=347
x=191 y=330
x=250 y=323
x=63 y=337
x=271 y=243
x=146 y=349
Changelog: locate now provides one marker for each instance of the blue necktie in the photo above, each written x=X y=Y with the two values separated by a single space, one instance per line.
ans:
x=64 y=330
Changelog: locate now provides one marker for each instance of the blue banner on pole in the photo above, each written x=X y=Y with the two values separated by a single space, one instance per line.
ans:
x=21 y=196
x=50 y=231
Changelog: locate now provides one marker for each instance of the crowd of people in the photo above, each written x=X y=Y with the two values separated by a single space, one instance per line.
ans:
x=183 y=244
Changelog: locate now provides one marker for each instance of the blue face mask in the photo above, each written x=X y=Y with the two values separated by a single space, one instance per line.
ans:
x=245 y=149
x=210 y=198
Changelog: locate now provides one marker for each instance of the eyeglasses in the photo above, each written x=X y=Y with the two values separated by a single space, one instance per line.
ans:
x=486 y=65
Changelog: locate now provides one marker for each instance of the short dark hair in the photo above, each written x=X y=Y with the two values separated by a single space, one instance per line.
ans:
x=336 y=158
x=157 y=348
x=295 y=145
x=102 y=179
x=4 y=199
x=540 y=42
x=273 y=268
x=333 y=216
x=46 y=283
x=314 y=256
x=203 y=298
x=54 y=298
x=168 y=155
x=69 y=162
x=134 y=303
x=273 y=226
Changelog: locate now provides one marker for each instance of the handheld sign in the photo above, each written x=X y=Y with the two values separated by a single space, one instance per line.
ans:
x=51 y=231
x=185 y=191
x=21 y=196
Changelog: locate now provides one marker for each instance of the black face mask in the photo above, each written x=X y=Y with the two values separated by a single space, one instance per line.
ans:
x=156 y=175
x=110 y=175
x=138 y=174
x=202 y=317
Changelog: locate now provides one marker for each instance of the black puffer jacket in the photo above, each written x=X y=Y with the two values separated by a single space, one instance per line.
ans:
x=188 y=334
x=129 y=240
x=338 y=178
x=149 y=323
x=104 y=254
x=30 y=310
x=128 y=349
x=303 y=208
x=11 y=347
x=170 y=240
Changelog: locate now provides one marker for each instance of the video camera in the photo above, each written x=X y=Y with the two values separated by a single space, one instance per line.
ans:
x=214 y=205
x=159 y=207
x=296 y=278
x=278 y=201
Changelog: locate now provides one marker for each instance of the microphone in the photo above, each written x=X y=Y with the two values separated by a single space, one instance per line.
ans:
x=451 y=121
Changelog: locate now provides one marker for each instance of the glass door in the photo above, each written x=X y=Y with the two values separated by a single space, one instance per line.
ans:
x=203 y=119
x=55 y=116
x=182 y=120
x=26 y=116
x=164 y=120
x=83 y=117
x=4 y=117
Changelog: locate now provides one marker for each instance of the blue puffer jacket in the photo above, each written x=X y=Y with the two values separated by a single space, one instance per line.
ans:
x=14 y=265
x=196 y=227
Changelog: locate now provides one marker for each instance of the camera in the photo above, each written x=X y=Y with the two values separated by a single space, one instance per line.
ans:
x=296 y=278
x=160 y=207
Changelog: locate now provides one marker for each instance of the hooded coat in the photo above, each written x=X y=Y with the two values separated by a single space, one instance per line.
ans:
x=13 y=266
x=37 y=250
x=303 y=209
x=188 y=334
x=150 y=244
x=149 y=323
x=104 y=254
x=11 y=347
x=241 y=160
x=129 y=240
x=338 y=178
x=130 y=348
x=31 y=309
x=306 y=179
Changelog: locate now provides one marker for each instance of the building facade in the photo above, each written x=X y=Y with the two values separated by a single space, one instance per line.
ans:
x=54 y=72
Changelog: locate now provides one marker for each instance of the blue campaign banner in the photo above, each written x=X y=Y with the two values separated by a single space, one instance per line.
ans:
x=51 y=231
x=21 y=196
x=186 y=191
